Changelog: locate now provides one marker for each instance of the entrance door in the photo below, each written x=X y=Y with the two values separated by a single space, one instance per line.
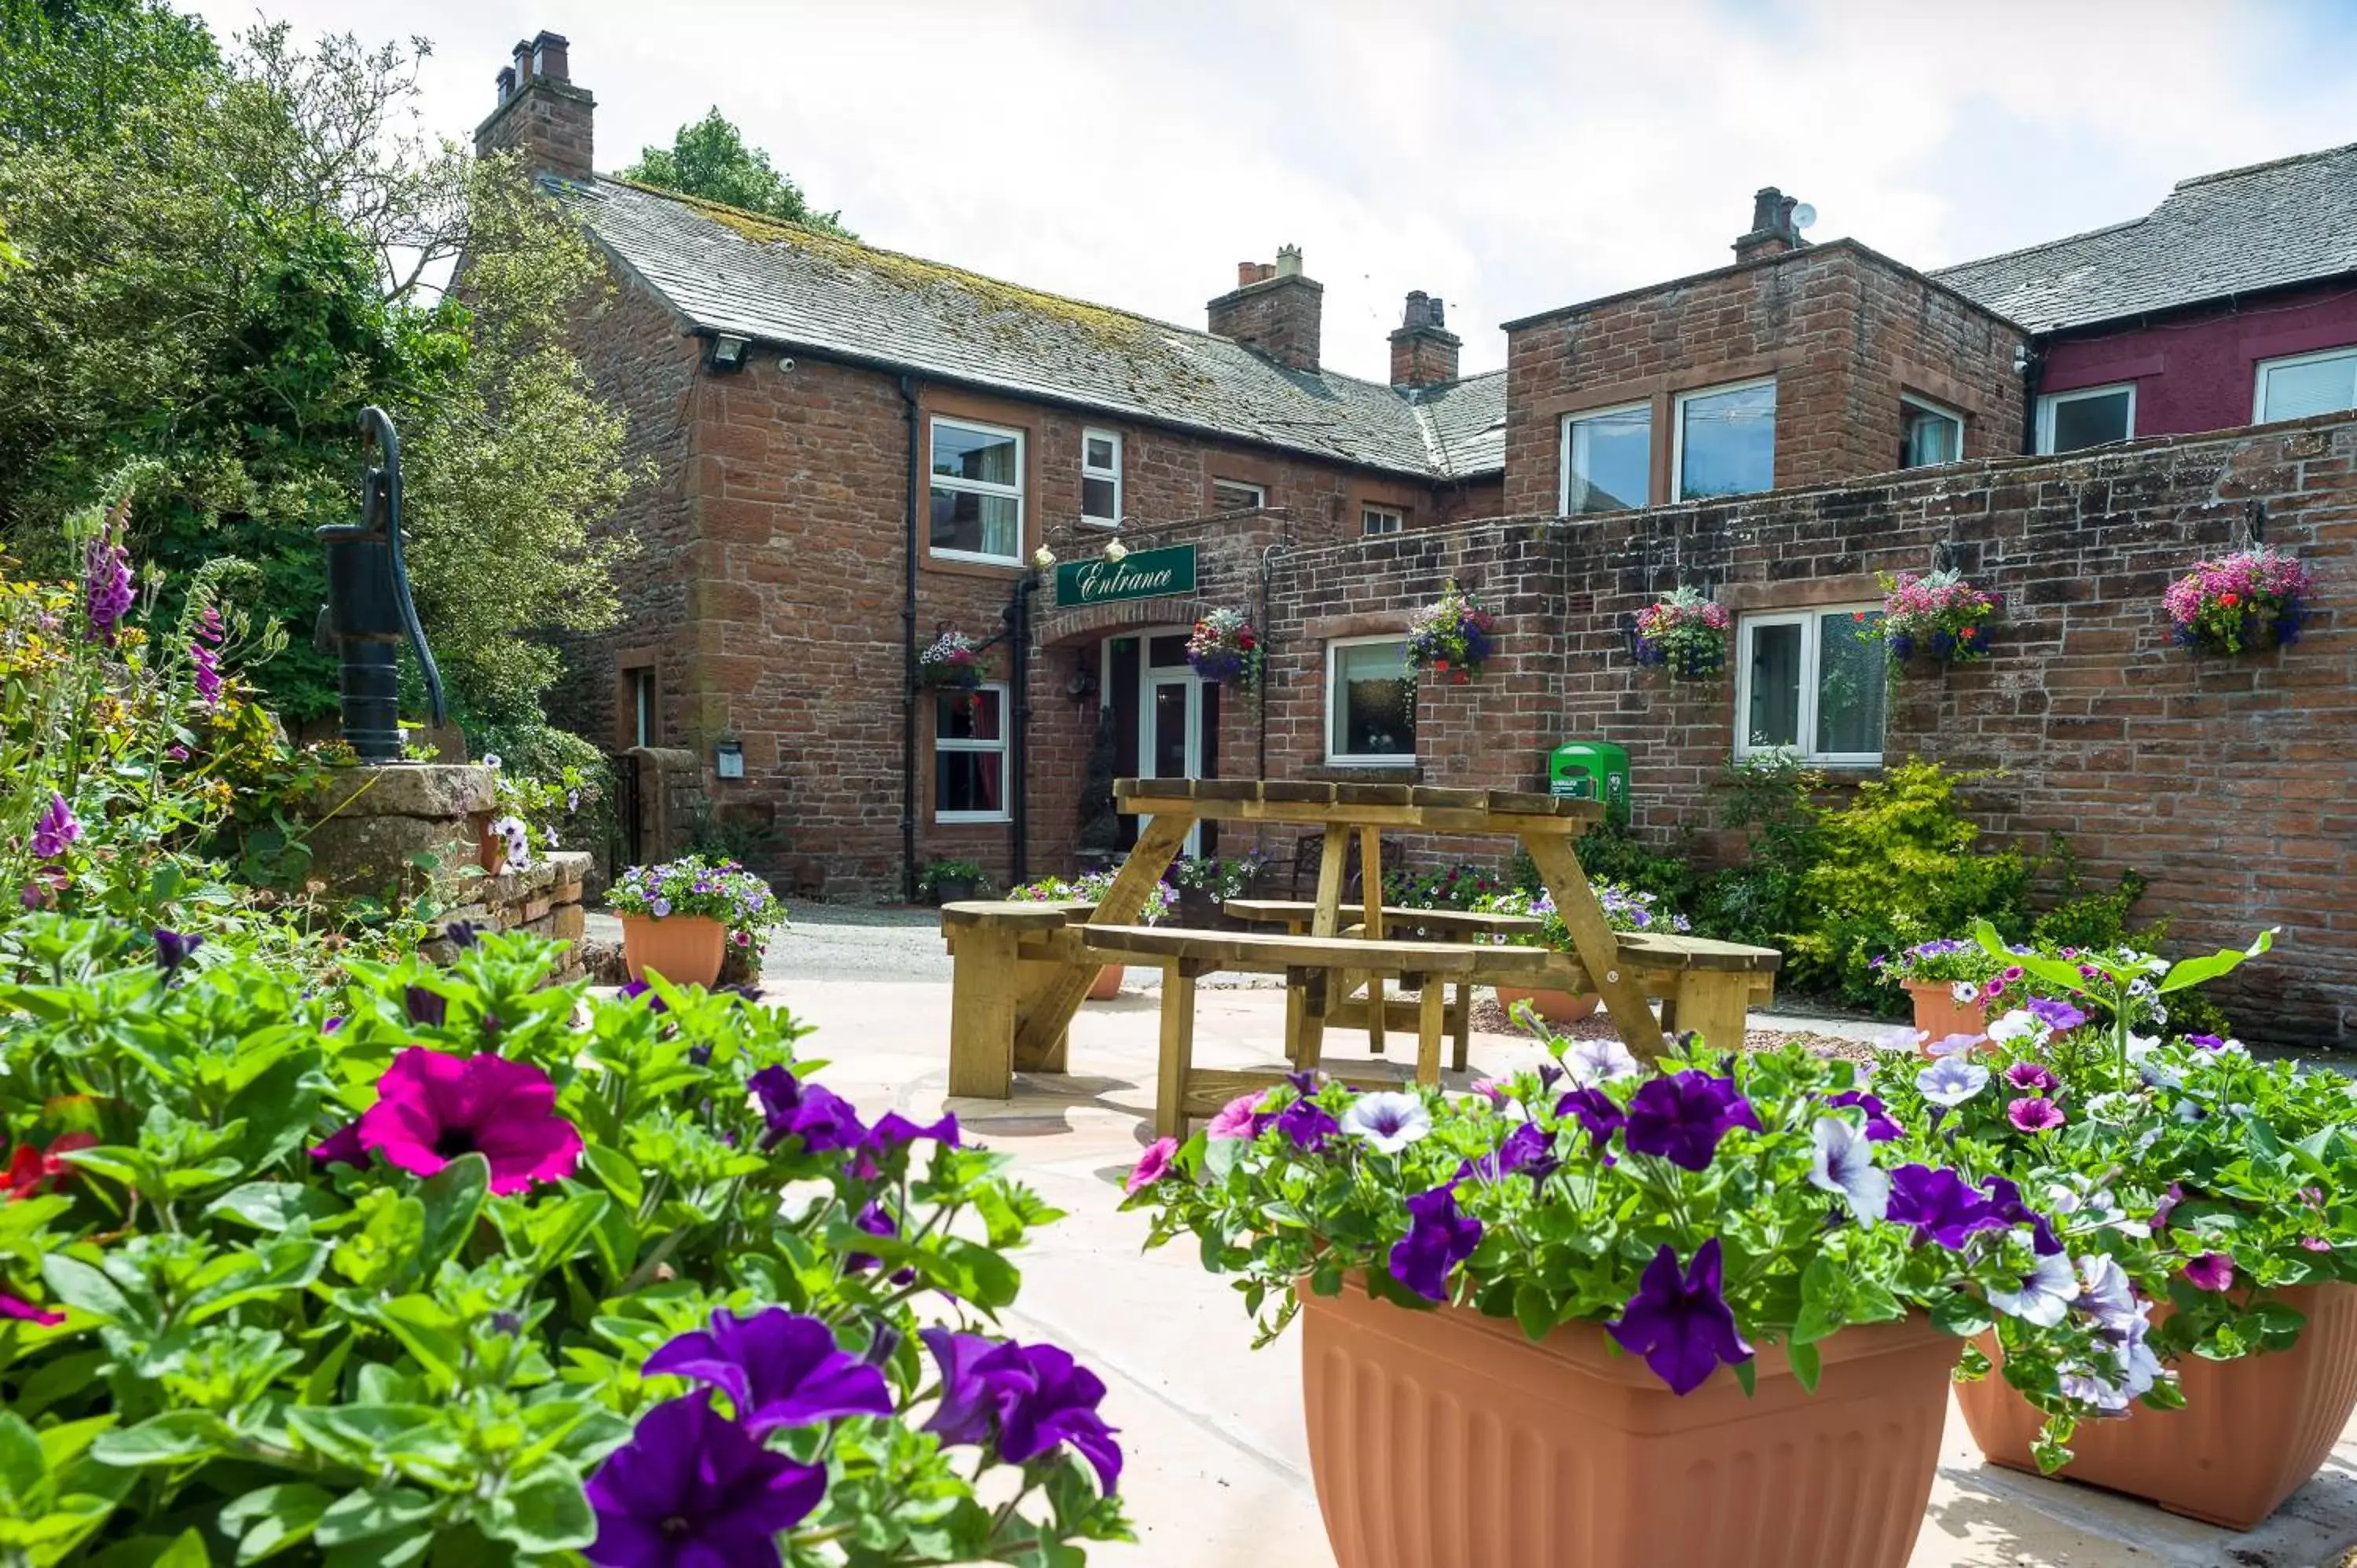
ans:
x=1166 y=719
x=1171 y=744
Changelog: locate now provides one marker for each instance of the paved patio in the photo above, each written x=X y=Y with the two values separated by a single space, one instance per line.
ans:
x=1216 y=1474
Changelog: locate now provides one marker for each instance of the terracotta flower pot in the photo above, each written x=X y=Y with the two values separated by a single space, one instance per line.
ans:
x=1555 y=1007
x=1938 y=1013
x=684 y=949
x=2251 y=1434
x=1107 y=985
x=493 y=850
x=1449 y=1440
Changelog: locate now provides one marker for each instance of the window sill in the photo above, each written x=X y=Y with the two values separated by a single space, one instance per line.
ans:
x=1366 y=764
x=971 y=818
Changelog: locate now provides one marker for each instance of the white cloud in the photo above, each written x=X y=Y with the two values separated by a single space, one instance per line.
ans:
x=1507 y=157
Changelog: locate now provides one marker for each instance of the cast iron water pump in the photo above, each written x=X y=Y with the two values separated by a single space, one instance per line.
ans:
x=369 y=611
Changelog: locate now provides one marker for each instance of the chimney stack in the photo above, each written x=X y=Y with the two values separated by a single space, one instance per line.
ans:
x=541 y=114
x=1424 y=351
x=1771 y=233
x=1274 y=309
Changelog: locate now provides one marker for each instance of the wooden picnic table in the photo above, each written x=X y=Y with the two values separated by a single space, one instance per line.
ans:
x=1022 y=970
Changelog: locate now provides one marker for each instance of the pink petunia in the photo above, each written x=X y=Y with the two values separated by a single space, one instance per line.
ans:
x=1152 y=1165
x=433 y=1107
x=24 y=1311
x=1237 y=1119
x=2034 y=1113
x=2211 y=1271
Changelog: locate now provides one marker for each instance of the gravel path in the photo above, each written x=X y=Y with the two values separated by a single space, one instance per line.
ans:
x=843 y=941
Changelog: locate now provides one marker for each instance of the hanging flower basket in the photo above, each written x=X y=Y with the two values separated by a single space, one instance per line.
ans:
x=1685 y=634
x=1938 y=614
x=1450 y=636
x=1225 y=648
x=950 y=664
x=2249 y=599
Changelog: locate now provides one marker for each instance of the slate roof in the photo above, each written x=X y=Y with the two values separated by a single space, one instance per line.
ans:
x=2273 y=224
x=732 y=272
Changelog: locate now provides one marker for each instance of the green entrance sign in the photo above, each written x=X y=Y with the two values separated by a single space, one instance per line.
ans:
x=1140 y=574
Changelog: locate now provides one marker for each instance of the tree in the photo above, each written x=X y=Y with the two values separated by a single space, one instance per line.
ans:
x=710 y=159
x=221 y=275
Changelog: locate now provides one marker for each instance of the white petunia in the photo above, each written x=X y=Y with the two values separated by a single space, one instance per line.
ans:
x=1954 y=1045
x=2018 y=1024
x=2046 y=1292
x=1900 y=1038
x=1590 y=1062
x=1389 y=1121
x=1843 y=1163
x=1965 y=992
x=1952 y=1080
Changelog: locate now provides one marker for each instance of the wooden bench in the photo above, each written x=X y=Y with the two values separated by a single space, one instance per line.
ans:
x=1000 y=948
x=1314 y=967
x=1372 y=1012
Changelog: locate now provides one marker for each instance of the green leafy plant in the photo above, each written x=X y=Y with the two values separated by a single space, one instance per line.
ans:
x=936 y=872
x=265 y=1287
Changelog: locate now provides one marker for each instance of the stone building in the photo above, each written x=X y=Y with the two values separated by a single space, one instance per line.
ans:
x=860 y=450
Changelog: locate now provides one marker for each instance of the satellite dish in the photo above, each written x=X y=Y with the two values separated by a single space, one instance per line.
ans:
x=1803 y=215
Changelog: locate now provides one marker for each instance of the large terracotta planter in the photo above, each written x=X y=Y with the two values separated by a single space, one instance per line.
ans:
x=1938 y=1013
x=2251 y=1434
x=1555 y=1007
x=1107 y=985
x=684 y=949
x=1448 y=1440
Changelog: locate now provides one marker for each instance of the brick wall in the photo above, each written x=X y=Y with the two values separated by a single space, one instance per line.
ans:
x=2227 y=782
x=1279 y=315
x=1843 y=332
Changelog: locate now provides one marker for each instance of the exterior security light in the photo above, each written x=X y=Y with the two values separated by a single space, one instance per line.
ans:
x=727 y=353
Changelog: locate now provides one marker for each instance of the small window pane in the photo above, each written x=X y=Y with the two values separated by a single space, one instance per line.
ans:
x=1097 y=498
x=1372 y=709
x=978 y=455
x=2319 y=386
x=1381 y=519
x=1775 y=677
x=1730 y=443
x=1166 y=652
x=1231 y=495
x=967 y=715
x=2090 y=421
x=975 y=523
x=1931 y=437
x=1611 y=461
x=1097 y=451
x=969 y=781
x=1852 y=675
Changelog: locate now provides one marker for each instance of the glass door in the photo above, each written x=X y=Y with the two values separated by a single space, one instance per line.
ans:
x=1173 y=724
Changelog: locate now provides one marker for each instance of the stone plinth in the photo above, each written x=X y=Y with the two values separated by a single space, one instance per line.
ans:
x=544 y=899
x=371 y=826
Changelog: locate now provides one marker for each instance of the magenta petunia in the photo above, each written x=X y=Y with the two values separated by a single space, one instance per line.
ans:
x=2035 y=1076
x=432 y=1108
x=1152 y=1165
x=22 y=1311
x=2034 y=1113
x=2211 y=1271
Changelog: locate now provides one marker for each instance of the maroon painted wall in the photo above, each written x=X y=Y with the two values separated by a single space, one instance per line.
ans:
x=2195 y=371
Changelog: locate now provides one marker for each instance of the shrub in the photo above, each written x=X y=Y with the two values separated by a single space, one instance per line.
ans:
x=260 y=1290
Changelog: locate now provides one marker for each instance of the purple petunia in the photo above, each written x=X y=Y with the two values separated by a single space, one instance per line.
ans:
x=2210 y=1271
x=1152 y=1165
x=1238 y=1120
x=2006 y=1203
x=2059 y=1016
x=693 y=1489
x=1683 y=1117
x=1679 y=1320
x=1881 y=1127
x=1598 y=1112
x=821 y=1118
x=1437 y=1239
x=1528 y=1150
x=2035 y=1076
x=1937 y=1203
x=432 y=1108
x=1023 y=1400
x=174 y=948
x=427 y=1009
x=1308 y=1124
x=778 y=1368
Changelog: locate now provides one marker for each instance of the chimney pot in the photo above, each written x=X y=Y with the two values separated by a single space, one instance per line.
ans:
x=1247 y=274
x=542 y=116
x=1771 y=232
x=1289 y=261
x=507 y=82
x=1424 y=351
x=523 y=61
x=1273 y=309
x=549 y=56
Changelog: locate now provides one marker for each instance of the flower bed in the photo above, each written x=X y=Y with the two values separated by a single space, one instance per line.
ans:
x=418 y=1265
x=1938 y=614
x=1685 y=634
x=2249 y=599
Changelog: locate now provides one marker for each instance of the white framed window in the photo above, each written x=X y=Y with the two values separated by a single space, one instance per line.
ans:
x=1375 y=520
x=2088 y=418
x=1236 y=495
x=1725 y=441
x=1101 y=477
x=1369 y=703
x=1811 y=682
x=977 y=503
x=2300 y=384
x=1608 y=459
x=1929 y=434
x=970 y=755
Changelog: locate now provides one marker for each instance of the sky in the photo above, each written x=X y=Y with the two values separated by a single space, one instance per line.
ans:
x=1508 y=157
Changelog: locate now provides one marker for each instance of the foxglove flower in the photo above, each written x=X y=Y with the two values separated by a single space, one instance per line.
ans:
x=693 y=1490
x=1237 y=1120
x=1308 y=1124
x=778 y=1368
x=1843 y=1163
x=1952 y=1080
x=1683 y=1117
x=56 y=831
x=2045 y=1295
x=208 y=675
x=432 y=1108
x=1880 y=1126
x=1152 y=1165
x=1590 y=1062
x=1390 y=1121
x=821 y=1118
x=2210 y=1272
x=107 y=593
x=1941 y=1208
x=1439 y=1239
x=1679 y=1320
